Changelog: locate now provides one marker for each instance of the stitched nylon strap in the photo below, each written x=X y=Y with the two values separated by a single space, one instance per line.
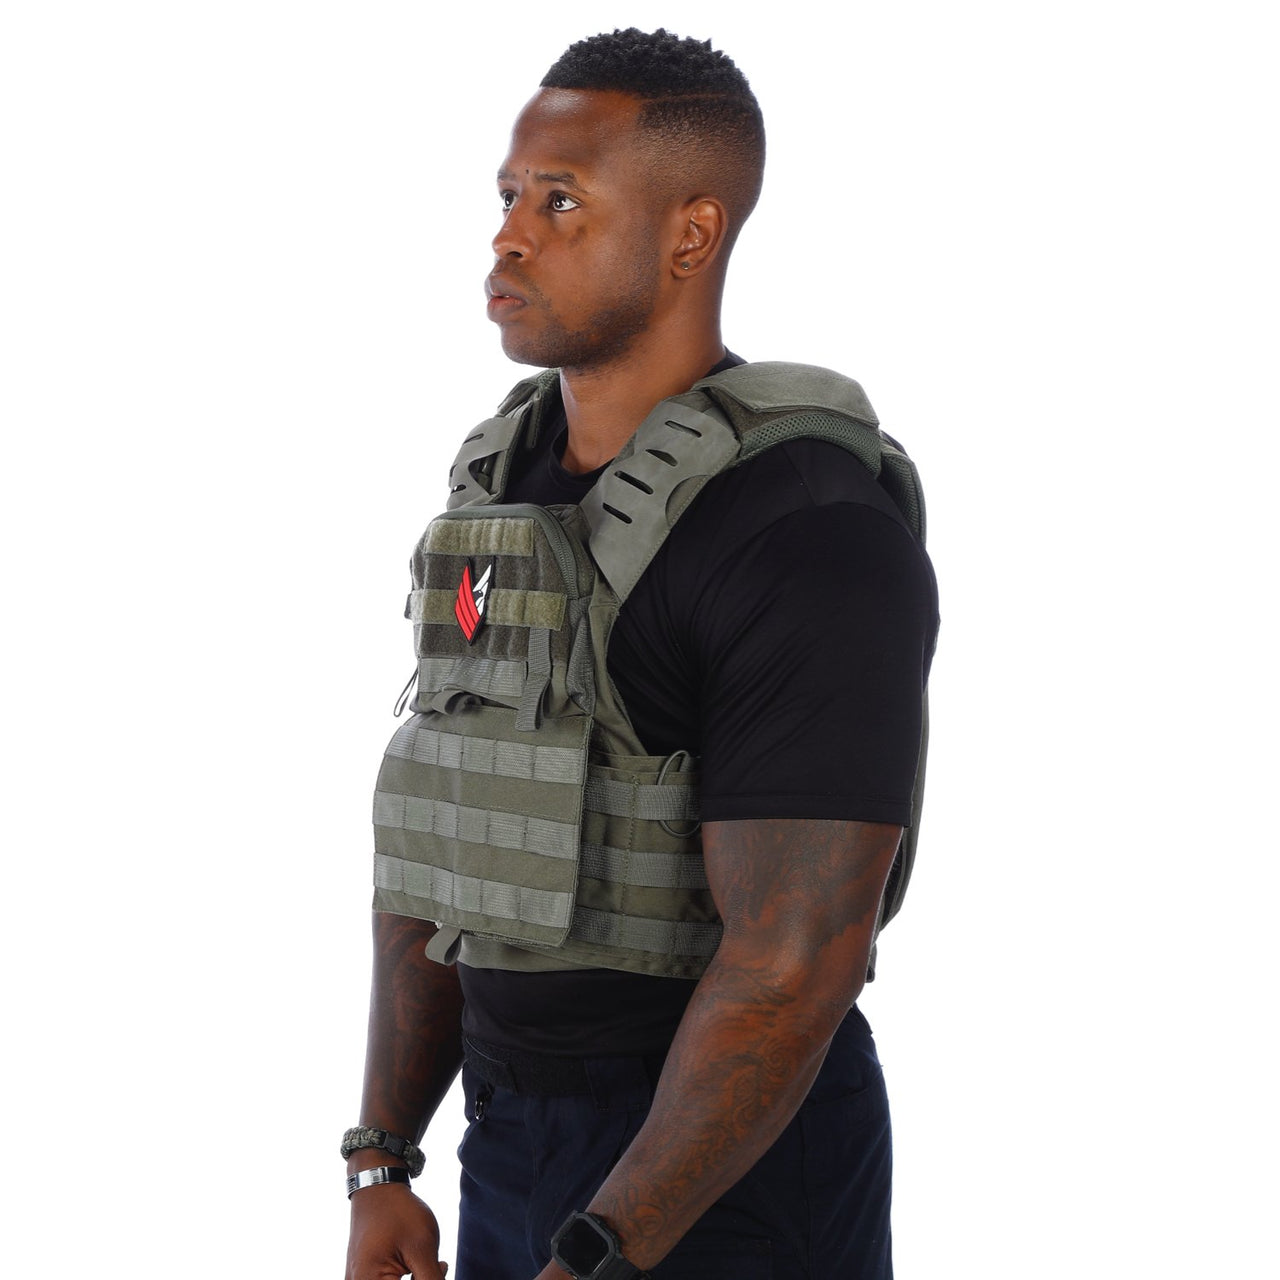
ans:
x=485 y=677
x=476 y=826
x=416 y=741
x=666 y=937
x=471 y=893
x=668 y=803
x=529 y=713
x=643 y=869
x=504 y=608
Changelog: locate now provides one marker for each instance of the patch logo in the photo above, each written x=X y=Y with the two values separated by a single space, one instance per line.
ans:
x=469 y=606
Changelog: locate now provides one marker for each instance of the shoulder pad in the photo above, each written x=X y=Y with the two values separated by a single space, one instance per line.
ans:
x=774 y=386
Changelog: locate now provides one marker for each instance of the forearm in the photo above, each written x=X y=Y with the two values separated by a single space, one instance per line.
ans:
x=746 y=1053
x=799 y=900
x=414 y=1046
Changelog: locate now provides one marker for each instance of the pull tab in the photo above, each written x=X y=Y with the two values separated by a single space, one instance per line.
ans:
x=404 y=694
x=445 y=945
x=662 y=777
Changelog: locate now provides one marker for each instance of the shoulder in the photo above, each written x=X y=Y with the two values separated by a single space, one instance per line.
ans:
x=796 y=479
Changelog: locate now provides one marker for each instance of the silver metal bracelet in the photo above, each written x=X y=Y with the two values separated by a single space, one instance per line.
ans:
x=376 y=1177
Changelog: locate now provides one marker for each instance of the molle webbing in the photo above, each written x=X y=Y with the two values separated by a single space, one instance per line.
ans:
x=517 y=805
x=489 y=816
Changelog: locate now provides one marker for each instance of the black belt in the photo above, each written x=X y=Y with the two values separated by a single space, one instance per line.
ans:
x=543 y=1073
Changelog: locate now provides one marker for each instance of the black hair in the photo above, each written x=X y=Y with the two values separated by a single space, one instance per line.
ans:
x=695 y=101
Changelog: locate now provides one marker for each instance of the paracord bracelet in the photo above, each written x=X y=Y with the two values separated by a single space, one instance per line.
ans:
x=362 y=1136
x=376 y=1177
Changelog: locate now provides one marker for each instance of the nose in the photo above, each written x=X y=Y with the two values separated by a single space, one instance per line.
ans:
x=513 y=239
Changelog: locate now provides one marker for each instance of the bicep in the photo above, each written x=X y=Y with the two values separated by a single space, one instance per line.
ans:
x=800 y=893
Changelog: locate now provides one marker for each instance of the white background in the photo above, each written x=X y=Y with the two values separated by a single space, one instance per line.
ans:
x=243 y=246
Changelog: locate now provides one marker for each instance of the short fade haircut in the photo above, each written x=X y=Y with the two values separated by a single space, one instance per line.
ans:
x=696 y=103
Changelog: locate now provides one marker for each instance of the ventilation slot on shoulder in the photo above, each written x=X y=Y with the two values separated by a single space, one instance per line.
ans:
x=662 y=457
x=613 y=511
x=631 y=480
x=681 y=426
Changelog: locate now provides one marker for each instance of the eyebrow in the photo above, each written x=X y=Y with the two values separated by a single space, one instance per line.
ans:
x=566 y=178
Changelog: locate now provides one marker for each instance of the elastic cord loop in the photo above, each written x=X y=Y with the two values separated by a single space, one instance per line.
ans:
x=662 y=774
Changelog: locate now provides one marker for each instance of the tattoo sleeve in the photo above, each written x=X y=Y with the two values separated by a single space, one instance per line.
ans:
x=415 y=1030
x=799 y=900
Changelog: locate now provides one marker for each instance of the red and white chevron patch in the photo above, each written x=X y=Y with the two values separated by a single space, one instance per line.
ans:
x=469 y=606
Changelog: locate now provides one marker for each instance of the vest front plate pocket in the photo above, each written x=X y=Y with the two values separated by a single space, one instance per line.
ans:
x=478 y=810
x=477 y=827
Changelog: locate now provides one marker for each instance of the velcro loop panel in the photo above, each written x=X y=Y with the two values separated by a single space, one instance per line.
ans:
x=504 y=608
x=496 y=537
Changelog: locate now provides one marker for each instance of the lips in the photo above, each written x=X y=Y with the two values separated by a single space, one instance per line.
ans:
x=504 y=298
x=497 y=289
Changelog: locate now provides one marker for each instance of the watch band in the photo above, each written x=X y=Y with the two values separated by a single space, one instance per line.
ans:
x=363 y=1136
x=587 y=1248
x=376 y=1177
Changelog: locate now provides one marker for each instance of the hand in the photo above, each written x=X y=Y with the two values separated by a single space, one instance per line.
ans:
x=393 y=1233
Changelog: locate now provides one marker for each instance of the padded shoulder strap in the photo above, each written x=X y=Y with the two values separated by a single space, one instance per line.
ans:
x=479 y=472
x=644 y=491
x=774 y=386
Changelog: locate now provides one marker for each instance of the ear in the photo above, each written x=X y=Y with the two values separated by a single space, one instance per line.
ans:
x=701 y=226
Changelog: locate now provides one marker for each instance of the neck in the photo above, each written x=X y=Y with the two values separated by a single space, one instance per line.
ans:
x=605 y=404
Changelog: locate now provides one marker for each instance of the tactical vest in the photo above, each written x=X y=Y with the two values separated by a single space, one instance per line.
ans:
x=517 y=807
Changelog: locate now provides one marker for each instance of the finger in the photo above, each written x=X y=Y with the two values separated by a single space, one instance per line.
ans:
x=423 y=1266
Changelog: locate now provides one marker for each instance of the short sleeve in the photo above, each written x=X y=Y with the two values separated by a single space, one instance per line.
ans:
x=813 y=645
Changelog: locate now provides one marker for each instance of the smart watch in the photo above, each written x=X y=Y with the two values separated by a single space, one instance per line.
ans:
x=588 y=1250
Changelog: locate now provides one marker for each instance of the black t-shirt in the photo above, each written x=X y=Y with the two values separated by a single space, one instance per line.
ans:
x=782 y=633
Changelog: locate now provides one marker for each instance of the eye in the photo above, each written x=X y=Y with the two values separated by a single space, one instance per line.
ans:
x=508 y=198
x=561 y=203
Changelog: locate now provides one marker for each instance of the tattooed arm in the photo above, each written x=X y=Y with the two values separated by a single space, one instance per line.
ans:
x=414 y=1051
x=799 y=900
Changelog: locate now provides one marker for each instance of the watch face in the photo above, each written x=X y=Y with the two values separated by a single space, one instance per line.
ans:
x=583 y=1247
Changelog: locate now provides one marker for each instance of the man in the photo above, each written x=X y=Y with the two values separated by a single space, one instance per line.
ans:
x=732 y=1123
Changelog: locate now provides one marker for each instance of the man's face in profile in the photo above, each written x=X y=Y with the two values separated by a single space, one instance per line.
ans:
x=578 y=263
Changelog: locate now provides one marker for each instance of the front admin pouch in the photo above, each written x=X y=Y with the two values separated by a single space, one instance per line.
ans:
x=478 y=809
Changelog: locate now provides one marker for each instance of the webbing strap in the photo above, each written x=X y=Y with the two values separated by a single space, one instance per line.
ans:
x=670 y=802
x=529 y=713
x=416 y=741
x=485 y=677
x=666 y=937
x=640 y=868
x=501 y=536
x=504 y=608
x=546 y=907
x=476 y=826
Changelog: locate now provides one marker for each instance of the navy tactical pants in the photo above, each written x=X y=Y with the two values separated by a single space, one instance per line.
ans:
x=815 y=1206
